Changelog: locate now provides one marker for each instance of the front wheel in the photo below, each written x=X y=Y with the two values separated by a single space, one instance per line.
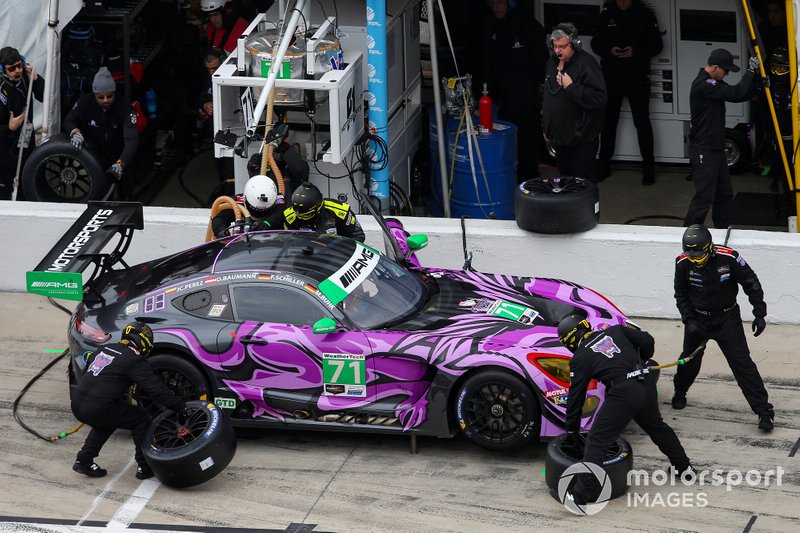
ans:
x=497 y=411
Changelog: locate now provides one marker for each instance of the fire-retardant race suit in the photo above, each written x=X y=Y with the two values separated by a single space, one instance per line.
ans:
x=99 y=398
x=616 y=356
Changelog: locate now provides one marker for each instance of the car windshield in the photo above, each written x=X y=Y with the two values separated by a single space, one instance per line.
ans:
x=388 y=294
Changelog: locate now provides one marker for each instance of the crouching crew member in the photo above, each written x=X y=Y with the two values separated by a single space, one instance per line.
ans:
x=99 y=399
x=707 y=280
x=617 y=356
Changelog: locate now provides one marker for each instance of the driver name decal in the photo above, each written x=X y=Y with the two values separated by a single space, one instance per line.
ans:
x=351 y=274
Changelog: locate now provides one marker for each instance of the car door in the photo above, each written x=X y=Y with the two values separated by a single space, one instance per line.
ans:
x=286 y=369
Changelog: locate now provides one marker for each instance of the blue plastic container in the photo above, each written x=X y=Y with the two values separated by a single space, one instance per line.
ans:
x=499 y=154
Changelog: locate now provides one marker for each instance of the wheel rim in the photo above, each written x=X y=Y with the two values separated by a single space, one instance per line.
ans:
x=169 y=435
x=555 y=185
x=495 y=413
x=732 y=152
x=176 y=381
x=64 y=178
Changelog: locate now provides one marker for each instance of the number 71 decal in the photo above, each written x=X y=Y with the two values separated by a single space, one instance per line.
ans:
x=344 y=374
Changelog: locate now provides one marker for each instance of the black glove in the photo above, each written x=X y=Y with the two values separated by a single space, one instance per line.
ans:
x=758 y=325
x=573 y=444
x=694 y=328
x=184 y=415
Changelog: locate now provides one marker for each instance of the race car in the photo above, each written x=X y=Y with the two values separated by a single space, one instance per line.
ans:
x=294 y=329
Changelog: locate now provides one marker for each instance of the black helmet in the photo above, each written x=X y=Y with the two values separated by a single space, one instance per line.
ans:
x=572 y=329
x=697 y=244
x=307 y=201
x=140 y=336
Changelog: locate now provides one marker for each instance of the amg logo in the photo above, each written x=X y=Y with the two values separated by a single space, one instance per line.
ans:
x=83 y=236
x=55 y=284
x=358 y=265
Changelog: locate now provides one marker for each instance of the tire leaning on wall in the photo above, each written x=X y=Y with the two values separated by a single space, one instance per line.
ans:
x=184 y=456
x=556 y=205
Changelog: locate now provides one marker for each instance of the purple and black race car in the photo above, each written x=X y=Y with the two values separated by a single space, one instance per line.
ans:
x=302 y=330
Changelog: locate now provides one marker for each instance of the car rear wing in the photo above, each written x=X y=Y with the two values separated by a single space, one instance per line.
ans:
x=59 y=274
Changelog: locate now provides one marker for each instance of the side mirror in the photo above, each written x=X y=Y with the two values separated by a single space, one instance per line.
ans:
x=417 y=242
x=324 y=325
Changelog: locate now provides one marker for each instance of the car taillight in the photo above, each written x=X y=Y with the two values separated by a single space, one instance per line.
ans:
x=90 y=332
x=556 y=367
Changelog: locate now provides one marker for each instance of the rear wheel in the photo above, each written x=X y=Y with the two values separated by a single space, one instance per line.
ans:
x=737 y=151
x=497 y=411
x=179 y=375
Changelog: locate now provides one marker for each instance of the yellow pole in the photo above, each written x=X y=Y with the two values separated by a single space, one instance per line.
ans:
x=767 y=93
x=792 y=51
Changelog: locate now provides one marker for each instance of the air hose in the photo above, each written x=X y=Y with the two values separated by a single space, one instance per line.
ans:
x=15 y=405
x=682 y=360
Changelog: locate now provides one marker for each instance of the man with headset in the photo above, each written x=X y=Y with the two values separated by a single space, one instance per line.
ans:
x=574 y=97
x=15 y=78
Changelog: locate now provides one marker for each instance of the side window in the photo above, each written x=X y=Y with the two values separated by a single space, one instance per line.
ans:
x=273 y=303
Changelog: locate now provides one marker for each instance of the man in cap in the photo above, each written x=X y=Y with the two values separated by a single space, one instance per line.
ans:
x=707 y=98
x=107 y=126
x=15 y=132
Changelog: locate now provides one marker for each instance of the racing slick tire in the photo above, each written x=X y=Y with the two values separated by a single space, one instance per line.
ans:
x=179 y=375
x=617 y=464
x=555 y=205
x=497 y=410
x=184 y=456
x=56 y=172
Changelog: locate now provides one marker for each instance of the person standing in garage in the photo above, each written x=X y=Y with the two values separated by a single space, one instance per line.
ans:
x=99 y=399
x=572 y=108
x=618 y=356
x=712 y=181
x=108 y=126
x=707 y=279
x=224 y=26
x=15 y=77
x=627 y=37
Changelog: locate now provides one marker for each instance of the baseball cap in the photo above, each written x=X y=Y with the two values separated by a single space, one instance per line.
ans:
x=723 y=59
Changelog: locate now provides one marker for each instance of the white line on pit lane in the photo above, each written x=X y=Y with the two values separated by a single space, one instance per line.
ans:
x=100 y=497
x=131 y=509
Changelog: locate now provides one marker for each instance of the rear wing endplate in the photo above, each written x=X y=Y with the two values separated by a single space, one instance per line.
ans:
x=58 y=275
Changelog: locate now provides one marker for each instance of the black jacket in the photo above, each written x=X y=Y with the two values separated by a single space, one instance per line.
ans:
x=707 y=103
x=12 y=99
x=335 y=217
x=514 y=57
x=574 y=115
x=111 y=134
x=607 y=355
x=714 y=286
x=636 y=27
x=111 y=371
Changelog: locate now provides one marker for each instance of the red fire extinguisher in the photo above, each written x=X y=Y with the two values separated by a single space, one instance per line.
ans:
x=485 y=111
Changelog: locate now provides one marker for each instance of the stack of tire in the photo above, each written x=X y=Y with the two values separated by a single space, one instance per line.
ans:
x=556 y=205
x=189 y=453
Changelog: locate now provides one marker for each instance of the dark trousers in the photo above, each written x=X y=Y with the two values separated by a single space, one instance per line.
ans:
x=628 y=400
x=727 y=330
x=713 y=188
x=104 y=419
x=638 y=93
x=576 y=160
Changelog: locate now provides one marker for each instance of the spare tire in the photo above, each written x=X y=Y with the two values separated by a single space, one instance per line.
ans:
x=556 y=205
x=184 y=456
x=56 y=172
x=617 y=464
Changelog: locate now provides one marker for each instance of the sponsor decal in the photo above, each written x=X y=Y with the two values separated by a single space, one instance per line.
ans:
x=333 y=390
x=216 y=310
x=346 y=371
x=356 y=390
x=355 y=270
x=101 y=361
x=132 y=309
x=556 y=392
x=740 y=260
x=459 y=407
x=561 y=400
x=79 y=241
x=225 y=403
x=606 y=347
x=467 y=303
x=725 y=277
x=723 y=268
x=66 y=285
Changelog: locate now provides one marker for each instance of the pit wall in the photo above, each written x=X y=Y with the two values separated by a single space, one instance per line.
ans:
x=631 y=265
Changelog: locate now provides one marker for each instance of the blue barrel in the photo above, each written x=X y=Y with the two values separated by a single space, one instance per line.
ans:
x=499 y=154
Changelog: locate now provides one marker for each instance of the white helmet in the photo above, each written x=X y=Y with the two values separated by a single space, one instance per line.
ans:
x=208 y=6
x=260 y=194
